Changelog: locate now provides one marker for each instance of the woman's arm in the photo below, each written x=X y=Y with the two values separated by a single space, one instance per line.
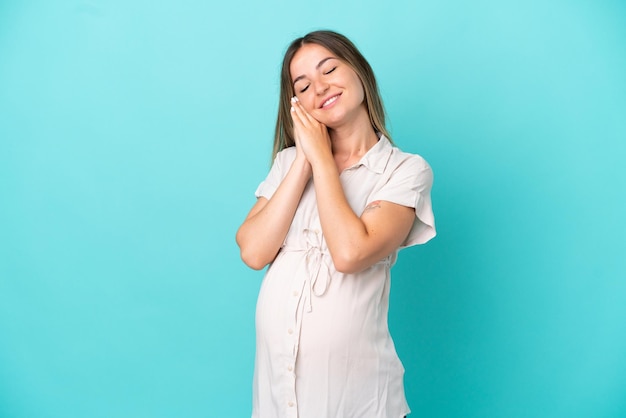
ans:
x=355 y=242
x=264 y=229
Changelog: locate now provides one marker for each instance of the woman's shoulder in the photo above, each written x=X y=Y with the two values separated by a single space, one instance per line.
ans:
x=408 y=160
x=286 y=154
x=284 y=157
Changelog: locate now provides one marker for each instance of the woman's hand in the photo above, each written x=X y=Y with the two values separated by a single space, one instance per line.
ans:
x=311 y=136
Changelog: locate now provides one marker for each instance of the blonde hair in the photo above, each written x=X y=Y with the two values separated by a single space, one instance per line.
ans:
x=347 y=52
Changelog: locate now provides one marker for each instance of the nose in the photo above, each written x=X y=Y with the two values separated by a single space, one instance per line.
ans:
x=321 y=87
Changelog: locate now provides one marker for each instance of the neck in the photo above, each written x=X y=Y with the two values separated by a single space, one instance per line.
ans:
x=353 y=140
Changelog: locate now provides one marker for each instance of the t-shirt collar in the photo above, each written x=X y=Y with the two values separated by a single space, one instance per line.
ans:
x=375 y=159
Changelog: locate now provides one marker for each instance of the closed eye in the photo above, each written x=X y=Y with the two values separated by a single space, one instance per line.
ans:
x=331 y=70
x=305 y=89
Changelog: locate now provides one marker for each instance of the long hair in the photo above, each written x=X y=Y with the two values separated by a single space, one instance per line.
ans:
x=347 y=52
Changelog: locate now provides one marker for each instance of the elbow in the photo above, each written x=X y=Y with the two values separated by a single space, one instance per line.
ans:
x=348 y=263
x=249 y=257
x=348 y=268
x=252 y=255
x=254 y=261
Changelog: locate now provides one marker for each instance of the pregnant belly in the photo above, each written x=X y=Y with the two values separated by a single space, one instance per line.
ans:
x=349 y=314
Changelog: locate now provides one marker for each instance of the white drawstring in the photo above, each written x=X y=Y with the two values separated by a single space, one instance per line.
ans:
x=317 y=272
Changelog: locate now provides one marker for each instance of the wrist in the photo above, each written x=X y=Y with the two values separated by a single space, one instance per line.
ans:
x=302 y=165
x=323 y=162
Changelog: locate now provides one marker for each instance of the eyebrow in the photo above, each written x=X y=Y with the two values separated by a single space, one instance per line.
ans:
x=317 y=67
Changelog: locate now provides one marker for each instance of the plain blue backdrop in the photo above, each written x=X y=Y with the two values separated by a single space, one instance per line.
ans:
x=134 y=133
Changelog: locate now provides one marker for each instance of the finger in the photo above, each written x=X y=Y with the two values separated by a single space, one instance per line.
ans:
x=297 y=120
x=298 y=124
x=299 y=110
x=296 y=109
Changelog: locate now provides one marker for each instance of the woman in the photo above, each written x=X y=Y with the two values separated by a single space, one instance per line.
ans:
x=338 y=203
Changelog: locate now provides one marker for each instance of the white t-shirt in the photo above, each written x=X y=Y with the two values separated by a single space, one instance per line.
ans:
x=323 y=348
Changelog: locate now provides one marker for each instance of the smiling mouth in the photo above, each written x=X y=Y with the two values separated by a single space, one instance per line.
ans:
x=330 y=101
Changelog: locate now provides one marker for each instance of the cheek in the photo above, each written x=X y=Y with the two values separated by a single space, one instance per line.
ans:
x=358 y=87
x=307 y=100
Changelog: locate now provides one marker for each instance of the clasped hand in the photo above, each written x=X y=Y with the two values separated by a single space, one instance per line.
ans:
x=311 y=136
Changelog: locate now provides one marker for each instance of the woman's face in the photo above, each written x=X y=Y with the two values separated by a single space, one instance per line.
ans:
x=327 y=87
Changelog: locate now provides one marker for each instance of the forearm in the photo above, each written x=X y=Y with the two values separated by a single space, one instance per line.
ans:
x=263 y=232
x=344 y=231
x=355 y=242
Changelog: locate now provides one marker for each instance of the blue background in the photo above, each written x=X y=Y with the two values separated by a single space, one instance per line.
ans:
x=134 y=133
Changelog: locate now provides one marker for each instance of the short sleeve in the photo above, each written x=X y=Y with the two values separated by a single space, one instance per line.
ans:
x=281 y=164
x=410 y=185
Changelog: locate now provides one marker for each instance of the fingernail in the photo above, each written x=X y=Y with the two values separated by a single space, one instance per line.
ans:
x=294 y=99
x=292 y=109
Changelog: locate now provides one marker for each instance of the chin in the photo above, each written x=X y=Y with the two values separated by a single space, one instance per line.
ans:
x=332 y=121
x=331 y=124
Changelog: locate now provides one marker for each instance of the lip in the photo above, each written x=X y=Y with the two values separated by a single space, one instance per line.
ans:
x=335 y=96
